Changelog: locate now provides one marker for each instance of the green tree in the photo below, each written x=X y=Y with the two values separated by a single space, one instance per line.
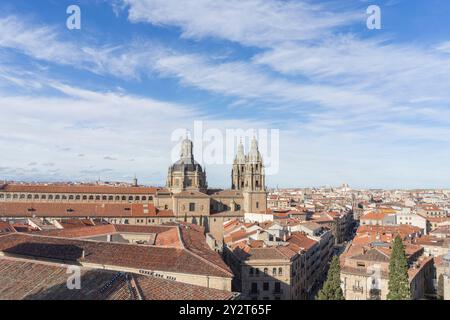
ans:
x=440 y=289
x=398 y=273
x=331 y=289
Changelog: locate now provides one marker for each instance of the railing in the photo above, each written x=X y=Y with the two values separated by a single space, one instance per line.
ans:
x=358 y=289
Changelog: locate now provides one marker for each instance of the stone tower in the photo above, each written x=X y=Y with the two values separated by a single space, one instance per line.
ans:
x=238 y=170
x=248 y=176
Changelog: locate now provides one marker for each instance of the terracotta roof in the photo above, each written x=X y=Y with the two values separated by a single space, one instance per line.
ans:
x=62 y=209
x=35 y=280
x=302 y=241
x=145 y=257
x=373 y=216
x=81 y=188
x=5 y=227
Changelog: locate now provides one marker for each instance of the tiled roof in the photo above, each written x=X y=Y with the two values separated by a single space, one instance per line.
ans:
x=5 y=227
x=34 y=280
x=61 y=209
x=146 y=257
x=301 y=241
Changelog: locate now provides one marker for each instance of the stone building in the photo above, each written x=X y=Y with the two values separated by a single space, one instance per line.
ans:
x=186 y=196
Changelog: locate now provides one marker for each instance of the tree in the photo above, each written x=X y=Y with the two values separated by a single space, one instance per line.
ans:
x=398 y=273
x=331 y=289
x=440 y=288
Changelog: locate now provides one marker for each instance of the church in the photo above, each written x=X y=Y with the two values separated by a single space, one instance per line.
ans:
x=186 y=196
x=194 y=202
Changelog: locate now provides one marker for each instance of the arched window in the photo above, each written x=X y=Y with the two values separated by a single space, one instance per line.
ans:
x=104 y=197
x=91 y=197
x=57 y=197
x=266 y=270
x=78 y=197
x=274 y=271
x=280 y=271
x=84 y=197
x=43 y=197
x=71 y=197
x=117 y=198
x=50 y=197
x=97 y=197
x=124 y=198
x=144 y=198
x=110 y=198
x=251 y=272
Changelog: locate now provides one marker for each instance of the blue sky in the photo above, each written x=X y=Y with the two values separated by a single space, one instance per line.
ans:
x=365 y=107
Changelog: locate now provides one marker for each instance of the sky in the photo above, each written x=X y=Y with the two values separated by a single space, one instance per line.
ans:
x=108 y=101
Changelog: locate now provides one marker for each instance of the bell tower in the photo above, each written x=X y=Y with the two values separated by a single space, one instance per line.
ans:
x=248 y=176
x=238 y=170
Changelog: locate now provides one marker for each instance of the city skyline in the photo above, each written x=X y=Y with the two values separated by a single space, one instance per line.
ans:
x=354 y=105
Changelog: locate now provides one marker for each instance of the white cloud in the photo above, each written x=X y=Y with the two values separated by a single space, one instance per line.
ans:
x=251 y=22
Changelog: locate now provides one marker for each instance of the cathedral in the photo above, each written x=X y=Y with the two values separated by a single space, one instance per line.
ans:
x=185 y=198
x=193 y=201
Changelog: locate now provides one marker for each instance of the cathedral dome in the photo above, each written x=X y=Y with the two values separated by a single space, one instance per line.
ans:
x=186 y=173
x=186 y=165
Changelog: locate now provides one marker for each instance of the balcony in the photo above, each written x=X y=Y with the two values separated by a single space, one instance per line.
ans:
x=358 y=289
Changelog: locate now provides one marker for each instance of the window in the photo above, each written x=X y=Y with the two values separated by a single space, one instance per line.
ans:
x=254 y=288
x=277 y=287
x=257 y=272
x=266 y=286
x=251 y=272
x=274 y=271
x=280 y=271
x=257 y=204
x=191 y=206
x=266 y=271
